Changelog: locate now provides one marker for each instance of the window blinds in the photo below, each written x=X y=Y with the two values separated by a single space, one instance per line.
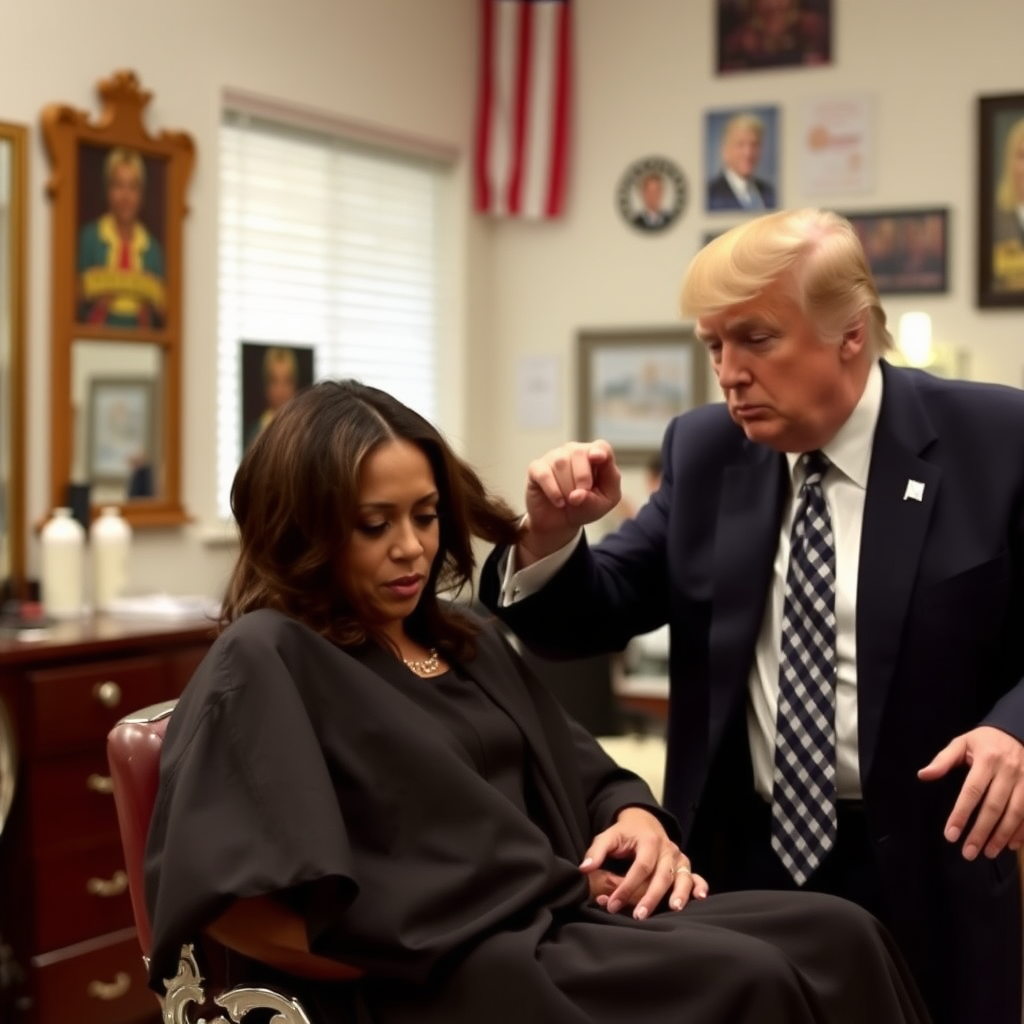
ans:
x=329 y=244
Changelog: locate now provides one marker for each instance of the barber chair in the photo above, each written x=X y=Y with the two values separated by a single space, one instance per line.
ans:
x=133 y=751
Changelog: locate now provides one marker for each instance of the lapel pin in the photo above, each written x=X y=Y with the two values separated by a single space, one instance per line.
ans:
x=914 y=491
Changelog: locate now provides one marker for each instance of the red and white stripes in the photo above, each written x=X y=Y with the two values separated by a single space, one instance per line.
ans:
x=524 y=105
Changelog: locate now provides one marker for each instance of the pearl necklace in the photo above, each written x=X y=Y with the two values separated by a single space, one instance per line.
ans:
x=425 y=666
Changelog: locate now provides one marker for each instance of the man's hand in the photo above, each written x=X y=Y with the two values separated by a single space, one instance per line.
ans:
x=658 y=866
x=568 y=487
x=994 y=786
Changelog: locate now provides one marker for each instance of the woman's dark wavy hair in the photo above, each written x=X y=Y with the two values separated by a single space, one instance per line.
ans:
x=295 y=496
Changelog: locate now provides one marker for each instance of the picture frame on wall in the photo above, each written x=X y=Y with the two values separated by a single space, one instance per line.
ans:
x=753 y=35
x=121 y=238
x=907 y=250
x=271 y=374
x=633 y=382
x=1000 y=271
x=118 y=195
x=121 y=427
x=741 y=159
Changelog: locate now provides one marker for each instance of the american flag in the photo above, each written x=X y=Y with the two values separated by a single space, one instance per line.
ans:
x=523 y=117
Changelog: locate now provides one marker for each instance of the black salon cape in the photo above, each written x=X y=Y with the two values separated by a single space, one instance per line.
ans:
x=291 y=766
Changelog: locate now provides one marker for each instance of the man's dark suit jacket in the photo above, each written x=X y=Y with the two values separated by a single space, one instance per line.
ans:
x=940 y=644
x=722 y=197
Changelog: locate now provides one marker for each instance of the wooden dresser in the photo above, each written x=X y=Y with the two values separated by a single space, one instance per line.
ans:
x=68 y=953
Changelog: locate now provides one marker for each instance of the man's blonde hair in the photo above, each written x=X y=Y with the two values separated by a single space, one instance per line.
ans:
x=817 y=251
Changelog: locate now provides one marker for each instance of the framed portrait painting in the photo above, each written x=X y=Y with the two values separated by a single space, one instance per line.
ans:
x=632 y=382
x=1001 y=201
x=118 y=199
x=271 y=374
x=907 y=250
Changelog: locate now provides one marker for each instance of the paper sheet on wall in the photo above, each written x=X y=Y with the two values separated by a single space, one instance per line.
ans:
x=835 y=145
x=537 y=403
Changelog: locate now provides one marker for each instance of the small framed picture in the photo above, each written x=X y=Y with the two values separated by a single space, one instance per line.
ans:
x=271 y=374
x=121 y=428
x=741 y=149
x=633 y=382
x=1001 y=201
x=652 y=194
x=757 y=34
x=907 y=250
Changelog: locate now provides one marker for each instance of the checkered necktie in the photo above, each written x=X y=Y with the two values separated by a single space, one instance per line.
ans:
x=804 y=784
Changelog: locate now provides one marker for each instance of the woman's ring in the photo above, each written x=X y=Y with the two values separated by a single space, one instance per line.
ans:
x=683 y=869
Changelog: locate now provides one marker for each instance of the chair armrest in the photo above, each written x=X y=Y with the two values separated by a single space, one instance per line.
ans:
x=262 y=929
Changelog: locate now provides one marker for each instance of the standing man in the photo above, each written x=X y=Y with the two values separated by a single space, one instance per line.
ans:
x=737 y=186
x=838 y=551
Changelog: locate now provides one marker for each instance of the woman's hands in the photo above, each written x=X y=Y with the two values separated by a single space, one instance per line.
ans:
x=659 y=867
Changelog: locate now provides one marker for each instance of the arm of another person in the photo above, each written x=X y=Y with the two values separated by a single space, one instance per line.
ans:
x=599 y=598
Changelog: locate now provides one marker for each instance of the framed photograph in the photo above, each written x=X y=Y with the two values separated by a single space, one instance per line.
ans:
x=652 y=194
x=632 y=382
x=907 y=250
x=271 y=374
x=741 y=152
x=757 y=34
x=1001 y=201
x=121 y=425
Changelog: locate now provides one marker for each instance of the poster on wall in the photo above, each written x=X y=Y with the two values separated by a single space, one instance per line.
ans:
x=835 y=145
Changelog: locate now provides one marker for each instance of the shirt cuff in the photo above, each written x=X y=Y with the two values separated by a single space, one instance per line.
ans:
x=515 y=586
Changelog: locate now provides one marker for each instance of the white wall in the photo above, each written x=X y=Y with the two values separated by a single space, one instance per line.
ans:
x=404 y=65
x=644 y=79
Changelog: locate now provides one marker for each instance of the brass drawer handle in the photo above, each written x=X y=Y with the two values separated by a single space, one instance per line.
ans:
x=99 y=783
x=113 y=886
x=108 y=693
x=107 y=990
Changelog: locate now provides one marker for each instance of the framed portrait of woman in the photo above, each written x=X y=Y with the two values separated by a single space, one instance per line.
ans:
x=1001 y=200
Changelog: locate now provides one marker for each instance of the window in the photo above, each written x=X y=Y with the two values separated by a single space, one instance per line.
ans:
x=331 y=245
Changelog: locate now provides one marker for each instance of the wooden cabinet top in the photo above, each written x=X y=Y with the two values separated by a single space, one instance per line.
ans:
x=101 y=635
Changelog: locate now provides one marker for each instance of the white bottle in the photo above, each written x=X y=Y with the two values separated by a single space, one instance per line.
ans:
x=62 y=569
x=111 y=538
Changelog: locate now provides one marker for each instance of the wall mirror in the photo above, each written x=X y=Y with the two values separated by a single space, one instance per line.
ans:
x=118 y=197
x=13 y=174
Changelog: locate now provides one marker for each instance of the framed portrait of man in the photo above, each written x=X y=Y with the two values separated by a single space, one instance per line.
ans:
x=271 y=374
x=120 y=262
x=741 y=148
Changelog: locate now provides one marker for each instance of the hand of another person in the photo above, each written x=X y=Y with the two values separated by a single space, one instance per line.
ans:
x=658 y=867
x=994 y=786
x=566 y=488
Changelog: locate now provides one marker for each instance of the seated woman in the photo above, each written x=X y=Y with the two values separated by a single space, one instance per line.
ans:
x=361 y=773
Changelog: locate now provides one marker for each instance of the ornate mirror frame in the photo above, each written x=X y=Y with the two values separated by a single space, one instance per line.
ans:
x=13 y=221
x=114 y=287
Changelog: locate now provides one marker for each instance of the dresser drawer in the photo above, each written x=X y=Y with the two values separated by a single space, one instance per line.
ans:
x=71 y=800
x=80 y=893
x=76 y=706
x=100 y=982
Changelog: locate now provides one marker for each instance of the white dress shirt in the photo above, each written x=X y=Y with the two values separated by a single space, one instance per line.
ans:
x=744 y=189
x=844 y=488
